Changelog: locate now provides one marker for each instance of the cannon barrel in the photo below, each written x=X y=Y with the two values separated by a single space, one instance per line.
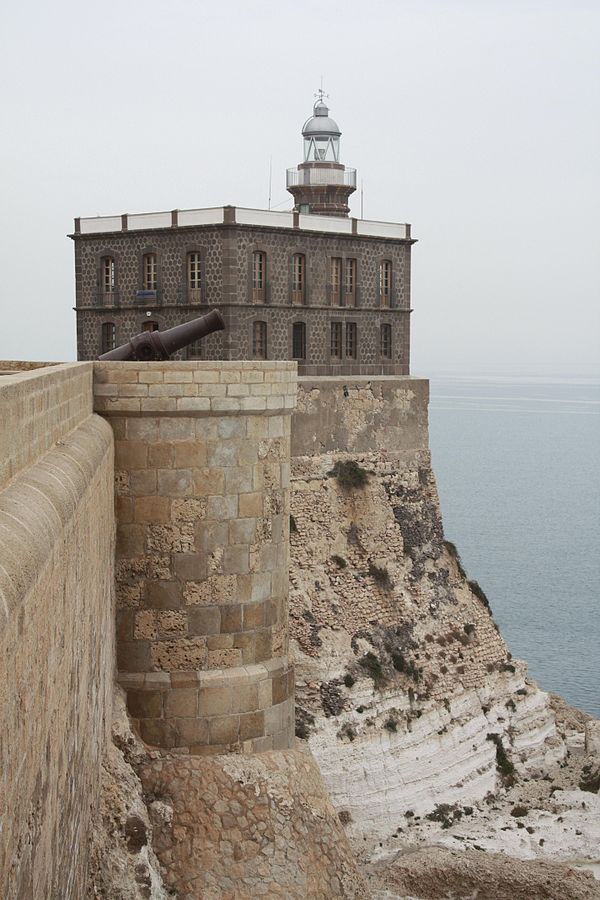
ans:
x=157 y=345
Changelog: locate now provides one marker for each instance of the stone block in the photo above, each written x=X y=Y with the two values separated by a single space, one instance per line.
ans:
x=219 y=641
x=189 y=566
x=211 y=535
x=130 y=540
x=242 y=531
x=261 y=586
x=251 y=505
x=208 y=482
x=175 y=482
x=142 y=429
x=231 y=427
x=280 y=688
x=160 y=455
x=193 y=404
x=253 y=616
x=265 y=693
x=124 y=509
x=164 y=594
x=235 y=560
x=221 y=508
x=185 y=653
x=158 y=733
x=131 y=454
x=214 y=701
x=263 y=645
x=191 y=731
x=152 y=509
x=246 y=643
x=239 y=479
x=224 y=730
x=245 y=698
x=181 y=702
x=171 y=623
x=231 y=618
x=142 y=482
x=145 y=704
x=190 y=454
x=222 y=453
x=133 y=656
x=125 y=619
x=252 y=725
x=177 y=429
x=204 y=620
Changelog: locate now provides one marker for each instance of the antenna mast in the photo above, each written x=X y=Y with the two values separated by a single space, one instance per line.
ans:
x=270 y=179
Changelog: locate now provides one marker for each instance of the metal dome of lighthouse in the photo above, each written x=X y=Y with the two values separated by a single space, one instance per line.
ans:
x=321 y=134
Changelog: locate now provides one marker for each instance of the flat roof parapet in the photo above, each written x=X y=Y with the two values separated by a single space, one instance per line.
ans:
x=232 y=215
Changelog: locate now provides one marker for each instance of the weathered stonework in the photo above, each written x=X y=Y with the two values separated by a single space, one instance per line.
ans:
x=202 y=484
x=57 y=611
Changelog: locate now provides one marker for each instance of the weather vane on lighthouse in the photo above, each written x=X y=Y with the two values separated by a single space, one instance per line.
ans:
x=320 y=94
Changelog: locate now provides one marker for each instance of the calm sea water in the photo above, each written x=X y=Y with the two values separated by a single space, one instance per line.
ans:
x=517 y=463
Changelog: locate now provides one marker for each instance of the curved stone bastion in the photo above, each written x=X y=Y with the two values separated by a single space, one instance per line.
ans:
x=202 y=455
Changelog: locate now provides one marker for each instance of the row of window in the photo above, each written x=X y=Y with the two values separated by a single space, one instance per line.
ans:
x=342 y=277
x=339 y=347
x=342 y=343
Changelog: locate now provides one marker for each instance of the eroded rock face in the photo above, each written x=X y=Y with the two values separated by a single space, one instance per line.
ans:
x=439 y=874
x=249 y=826
x=405 y=689
x=123 y=865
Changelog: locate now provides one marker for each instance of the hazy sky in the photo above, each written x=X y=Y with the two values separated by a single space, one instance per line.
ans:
x=478 y=122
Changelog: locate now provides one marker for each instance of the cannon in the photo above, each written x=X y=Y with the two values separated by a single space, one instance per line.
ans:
x=156 y=345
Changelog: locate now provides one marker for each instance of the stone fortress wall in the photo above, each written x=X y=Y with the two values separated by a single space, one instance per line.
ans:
x=201 y=479
x=202 y=492
x=56 y=605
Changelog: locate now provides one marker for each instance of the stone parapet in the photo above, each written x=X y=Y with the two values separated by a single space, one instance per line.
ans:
x=202 y=459
x=56 y=639
x=360 y=414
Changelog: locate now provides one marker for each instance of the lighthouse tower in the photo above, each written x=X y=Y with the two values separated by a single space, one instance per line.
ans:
x=321 y=185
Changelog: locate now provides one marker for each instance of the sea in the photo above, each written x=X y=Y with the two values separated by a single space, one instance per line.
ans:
x=517 y=463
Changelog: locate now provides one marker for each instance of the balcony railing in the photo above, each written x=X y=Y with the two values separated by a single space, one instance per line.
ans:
x=298 y=177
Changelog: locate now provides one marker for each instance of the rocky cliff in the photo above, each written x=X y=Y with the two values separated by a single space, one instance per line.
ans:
x=407 y=695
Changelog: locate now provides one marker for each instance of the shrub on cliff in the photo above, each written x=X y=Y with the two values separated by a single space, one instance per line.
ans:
x=349 y=474
x=503 y=763
x=372 y=666
x=381 y=576
x=452 y=550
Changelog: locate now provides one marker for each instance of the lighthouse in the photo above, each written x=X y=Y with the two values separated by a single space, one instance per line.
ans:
x=321 y=184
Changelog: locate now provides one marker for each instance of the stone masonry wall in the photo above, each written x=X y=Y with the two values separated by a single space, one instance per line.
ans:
x=202 y=496
x=226 y=252
x=57 y=646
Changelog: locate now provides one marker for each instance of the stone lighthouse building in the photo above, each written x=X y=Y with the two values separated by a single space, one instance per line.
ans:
x=321 y=185
x=312 y=284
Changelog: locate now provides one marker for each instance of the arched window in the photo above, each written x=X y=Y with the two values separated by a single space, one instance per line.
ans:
x=259 y=340
x=386 y=341
x=150 y=326
x=298 y=279
x=194 y=276
x=149 y=272
x=107 y=275
x=299 y=340
x=259 y=276
x=109 y=336
x=385 y=283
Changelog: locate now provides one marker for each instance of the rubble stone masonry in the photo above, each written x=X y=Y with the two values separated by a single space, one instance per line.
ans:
x=202 y=496
x=57 y=612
